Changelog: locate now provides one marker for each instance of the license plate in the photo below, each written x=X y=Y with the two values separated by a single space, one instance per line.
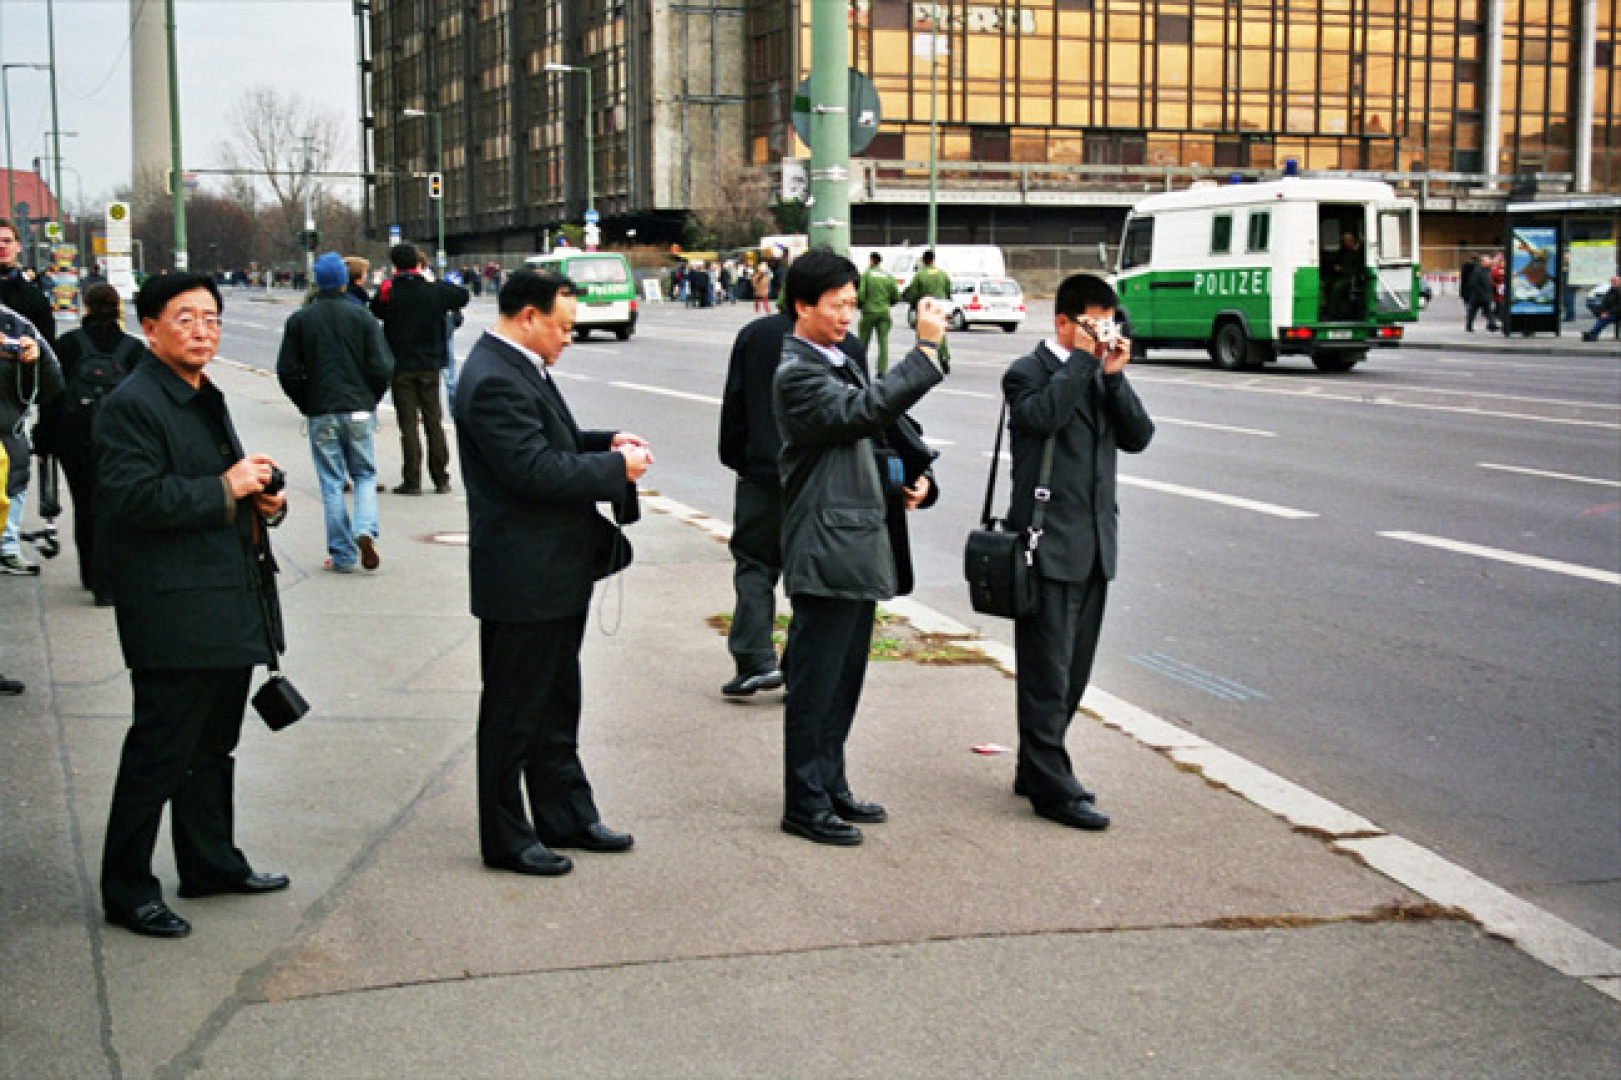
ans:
x=1337 y=335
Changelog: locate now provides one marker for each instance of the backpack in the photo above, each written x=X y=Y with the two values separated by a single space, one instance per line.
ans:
x=97 y=373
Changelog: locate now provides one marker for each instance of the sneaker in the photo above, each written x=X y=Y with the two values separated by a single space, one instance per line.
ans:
x=16 y=564
x=11 y=687
x=745 y=685
x=369 y=558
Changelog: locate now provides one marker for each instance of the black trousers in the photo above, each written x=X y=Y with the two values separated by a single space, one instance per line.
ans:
x=824 y=664
x=416 y=393
x=79 y=466
x=528 y=736
x=178 y=752
x=756 y=548
x=1054 y=649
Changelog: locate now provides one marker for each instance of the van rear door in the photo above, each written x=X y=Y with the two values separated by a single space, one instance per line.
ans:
x=1394 y=255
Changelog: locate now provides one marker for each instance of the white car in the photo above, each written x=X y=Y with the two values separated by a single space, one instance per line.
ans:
x=975 y=300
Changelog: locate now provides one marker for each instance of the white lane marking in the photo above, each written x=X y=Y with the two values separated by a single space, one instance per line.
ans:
x=1320 y=393
x=1550 y=475
x=1550 y=939
x=970 y=393
x=682 y=394
x=575 y=375
x=1533 y=562
x=1228 y=428
x=1235 y=501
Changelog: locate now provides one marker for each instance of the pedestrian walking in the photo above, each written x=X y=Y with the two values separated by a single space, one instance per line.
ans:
x=1608 y=313
x=877 y=294
x=335 y=365
x=930 y=281
x=762 y=288
x=22 y=296
x=1475 y=285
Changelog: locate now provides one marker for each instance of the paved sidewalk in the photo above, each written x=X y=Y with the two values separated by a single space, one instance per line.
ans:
x=1200 y=937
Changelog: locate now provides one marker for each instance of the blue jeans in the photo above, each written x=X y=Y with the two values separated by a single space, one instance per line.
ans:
x=11 y=540
x=342 y=446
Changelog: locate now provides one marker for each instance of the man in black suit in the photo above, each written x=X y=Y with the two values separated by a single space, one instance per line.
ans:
x=1072 y=390
x=183 y=507
x=538 y=544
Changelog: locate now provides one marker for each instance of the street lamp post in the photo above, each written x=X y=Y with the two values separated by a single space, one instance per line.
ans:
x=78 y=180
x=439 y=170
x=590 y=141
x=11 y=184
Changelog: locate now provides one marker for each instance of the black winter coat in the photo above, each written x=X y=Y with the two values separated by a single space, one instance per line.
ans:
x=840 y=535
x=413 y=311
x=179 y=547
x=29 y=301
x=333 y=357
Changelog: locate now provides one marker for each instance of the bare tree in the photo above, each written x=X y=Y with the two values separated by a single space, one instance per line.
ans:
x=273 y=133
x=736 y=213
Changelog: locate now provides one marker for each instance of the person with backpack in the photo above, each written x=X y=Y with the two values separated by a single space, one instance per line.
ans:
x=94 y=358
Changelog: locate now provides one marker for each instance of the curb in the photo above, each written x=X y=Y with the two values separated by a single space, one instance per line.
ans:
x=1540 y=934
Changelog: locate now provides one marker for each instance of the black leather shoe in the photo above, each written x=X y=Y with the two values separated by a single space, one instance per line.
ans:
x=596 y=837
x=535 y=860
x=1077 y=814
x=850 y=808
x=1021 y=789
x=744 y=685
x=408 y=489
x=824 y=828
x=252 y=885
x=151 y=920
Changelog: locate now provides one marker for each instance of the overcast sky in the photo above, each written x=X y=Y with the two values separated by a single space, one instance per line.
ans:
x=299 y=46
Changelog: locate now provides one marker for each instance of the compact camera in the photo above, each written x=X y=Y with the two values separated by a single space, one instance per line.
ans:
x=11 y=350
x=277 y=481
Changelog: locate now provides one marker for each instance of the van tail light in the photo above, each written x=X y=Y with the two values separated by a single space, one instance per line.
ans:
x=633 y=305
x=1298 y=333
x=1388 y=333
x=973 y=304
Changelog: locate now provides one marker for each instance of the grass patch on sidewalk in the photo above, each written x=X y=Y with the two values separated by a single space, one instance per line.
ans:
x=893 y=638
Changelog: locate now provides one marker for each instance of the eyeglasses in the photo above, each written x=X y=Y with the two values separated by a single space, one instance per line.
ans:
x=188 y=323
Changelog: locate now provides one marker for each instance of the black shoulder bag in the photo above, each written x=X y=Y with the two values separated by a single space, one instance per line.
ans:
x=1001 y=565
x=278 y=701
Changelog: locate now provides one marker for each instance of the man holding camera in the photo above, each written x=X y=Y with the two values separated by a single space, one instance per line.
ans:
x=1073 y=391
x=537 y=545
x=844 y=542
x=184 y=509
x=28 y=331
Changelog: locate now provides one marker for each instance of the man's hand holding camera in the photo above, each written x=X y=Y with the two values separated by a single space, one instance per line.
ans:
x=931 y=326
x=637 y=452
x=25 y=349
x=259 y=476
x=1102 y=338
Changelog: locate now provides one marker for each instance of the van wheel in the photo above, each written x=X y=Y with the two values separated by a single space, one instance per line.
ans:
x=1232 y=349
x=622 y=333
x=958 y=323
x=1336 y=363
x=1009 y=327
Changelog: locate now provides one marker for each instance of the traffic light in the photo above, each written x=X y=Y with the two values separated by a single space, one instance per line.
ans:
x=436 y=185
x=309 y=239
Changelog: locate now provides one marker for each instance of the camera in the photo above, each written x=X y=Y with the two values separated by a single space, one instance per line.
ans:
x=277 y=481
x=11 y=350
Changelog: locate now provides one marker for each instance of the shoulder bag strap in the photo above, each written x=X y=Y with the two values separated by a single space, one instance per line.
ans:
x=1043 y=492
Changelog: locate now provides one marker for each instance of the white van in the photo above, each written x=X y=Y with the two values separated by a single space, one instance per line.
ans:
x=606 y=289
x=958 y=260
x=1325 y=268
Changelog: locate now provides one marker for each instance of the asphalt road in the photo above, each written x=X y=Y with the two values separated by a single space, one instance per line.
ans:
x=1399 y=587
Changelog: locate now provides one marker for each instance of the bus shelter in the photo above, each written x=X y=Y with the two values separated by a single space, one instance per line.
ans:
x=1555 y=251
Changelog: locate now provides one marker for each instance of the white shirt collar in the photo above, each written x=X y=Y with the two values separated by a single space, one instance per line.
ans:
x=1057 y=350
x=533 y=357
x=834 y=356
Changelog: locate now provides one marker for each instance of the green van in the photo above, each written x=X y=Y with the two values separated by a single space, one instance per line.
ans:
x=607 y=289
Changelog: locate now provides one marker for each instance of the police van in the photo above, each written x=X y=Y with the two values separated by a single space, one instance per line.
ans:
x=605 y=289
x=1324 y=268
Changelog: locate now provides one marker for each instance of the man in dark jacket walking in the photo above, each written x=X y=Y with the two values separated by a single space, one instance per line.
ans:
x=184 y=510
x=414 y=310
x=335 y=366
x=1073 y=391
x=1475 y=287
x=843 y=538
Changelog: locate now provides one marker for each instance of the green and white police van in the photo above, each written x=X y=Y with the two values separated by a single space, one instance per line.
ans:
x=1324 y=268
x=606 y=296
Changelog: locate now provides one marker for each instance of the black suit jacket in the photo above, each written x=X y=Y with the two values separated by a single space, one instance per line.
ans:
x=1092 y=416
x=180 y=548
x=533 y=482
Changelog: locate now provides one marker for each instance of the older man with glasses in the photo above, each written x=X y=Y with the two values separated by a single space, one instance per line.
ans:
x=185 y=511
